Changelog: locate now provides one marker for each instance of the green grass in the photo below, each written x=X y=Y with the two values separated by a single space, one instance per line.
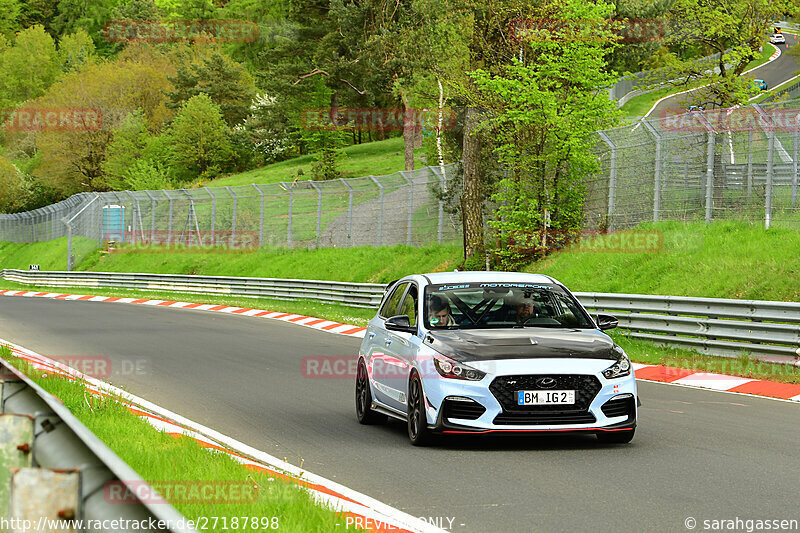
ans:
x=358 y=264
x=161 y=459
x=639 y=105
x=722 y=260
x=376 y=158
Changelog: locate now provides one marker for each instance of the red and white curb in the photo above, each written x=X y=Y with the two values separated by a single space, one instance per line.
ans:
x=302 y=320
x=363 y=511
x=717 y=382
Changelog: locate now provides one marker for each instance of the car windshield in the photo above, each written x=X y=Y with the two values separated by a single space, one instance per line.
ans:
x=502 y=305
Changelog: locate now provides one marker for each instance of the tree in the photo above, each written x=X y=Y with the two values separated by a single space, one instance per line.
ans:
x=13 y=195
x=89 y=16
x=10 y=11
x=133 y=145
x=543 y=111
x=200 y=140
x=734 y=29
x=72 y=159
x=206 y=70
x=75 y=51
x=29 y=67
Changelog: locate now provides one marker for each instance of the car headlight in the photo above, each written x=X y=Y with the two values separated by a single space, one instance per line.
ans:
x=448 y=368
x=620 y=368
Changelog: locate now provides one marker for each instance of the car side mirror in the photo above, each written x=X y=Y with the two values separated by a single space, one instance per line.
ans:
x=400 y=323
x=605 y=322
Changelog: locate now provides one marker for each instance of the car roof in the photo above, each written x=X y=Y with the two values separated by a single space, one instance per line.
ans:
x=483 y=276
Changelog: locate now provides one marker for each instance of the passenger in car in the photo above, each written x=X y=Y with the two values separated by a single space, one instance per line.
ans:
x=439 y=309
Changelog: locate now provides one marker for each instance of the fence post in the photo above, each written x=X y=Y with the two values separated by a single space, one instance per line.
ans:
x=213 y=215
x=794 y=166
x=410 y=205
x=136 y=212
x=765 y=118
x=709 y=164
x=442 y=185
x=319 y=208
x=152 y=217
x=261 y=217
x=612 y=178
x=233 y=221
x=349 y=211
x=291 y=206
x=169 y=232
x=657 y=172
x=749 y=164
x=380 y=209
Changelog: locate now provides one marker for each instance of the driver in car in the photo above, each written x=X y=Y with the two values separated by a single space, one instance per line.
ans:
x=524 y=308
x=439 y=308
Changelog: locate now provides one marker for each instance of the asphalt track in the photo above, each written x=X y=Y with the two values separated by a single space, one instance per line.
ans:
x=699 y=454
x=774 y=73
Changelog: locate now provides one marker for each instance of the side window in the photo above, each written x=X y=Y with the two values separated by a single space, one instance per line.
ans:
x=410 y=305
x=390 y=305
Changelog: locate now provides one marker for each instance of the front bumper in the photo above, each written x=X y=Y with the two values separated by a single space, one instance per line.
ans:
x=602 y=405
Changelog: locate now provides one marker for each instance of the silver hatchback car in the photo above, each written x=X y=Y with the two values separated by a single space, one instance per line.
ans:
x=493 y=352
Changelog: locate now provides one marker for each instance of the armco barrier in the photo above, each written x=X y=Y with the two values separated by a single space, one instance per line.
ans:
x=715 y=326
x=49 y=445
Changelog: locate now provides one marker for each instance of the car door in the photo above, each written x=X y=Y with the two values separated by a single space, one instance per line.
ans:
x=378 y=352
x=400 y=350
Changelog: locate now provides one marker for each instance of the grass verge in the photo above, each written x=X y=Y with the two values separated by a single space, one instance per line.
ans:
x=166 y=461
x=639 y=351
x=377 y=157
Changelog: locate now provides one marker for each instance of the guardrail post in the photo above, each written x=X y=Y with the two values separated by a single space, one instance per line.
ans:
x=261 y=217
x=319 y=209
x=213 y=215
x=380 y=208
x=349 y=211
x=233 y=221
x=169 y=232
x=291 y=206
x=612 y=178
x=410 y=205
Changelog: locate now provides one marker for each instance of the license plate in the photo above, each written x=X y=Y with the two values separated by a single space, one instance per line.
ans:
x=542 y=397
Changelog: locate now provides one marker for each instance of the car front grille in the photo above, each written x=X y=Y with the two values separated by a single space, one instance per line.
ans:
x=619 y=407
x=548 y=418
x=465 y=409
x=505 y=388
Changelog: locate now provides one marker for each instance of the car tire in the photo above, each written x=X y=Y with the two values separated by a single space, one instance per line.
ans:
x=364 y=411
x=615 y=437
x=418 y=432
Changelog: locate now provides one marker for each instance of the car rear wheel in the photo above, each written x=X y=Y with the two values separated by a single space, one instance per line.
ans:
x=364 y=411
x=615 y=437
x=418 y=431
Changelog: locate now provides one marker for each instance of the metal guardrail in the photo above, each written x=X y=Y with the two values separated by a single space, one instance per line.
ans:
x=715 y=326
x=352 y=294
x=53 y=448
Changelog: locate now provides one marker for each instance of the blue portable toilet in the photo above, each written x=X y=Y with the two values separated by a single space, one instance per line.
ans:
x=114 y=223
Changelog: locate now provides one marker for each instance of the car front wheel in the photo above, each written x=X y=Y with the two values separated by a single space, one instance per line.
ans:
x=418 y=431
x=364 y=411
